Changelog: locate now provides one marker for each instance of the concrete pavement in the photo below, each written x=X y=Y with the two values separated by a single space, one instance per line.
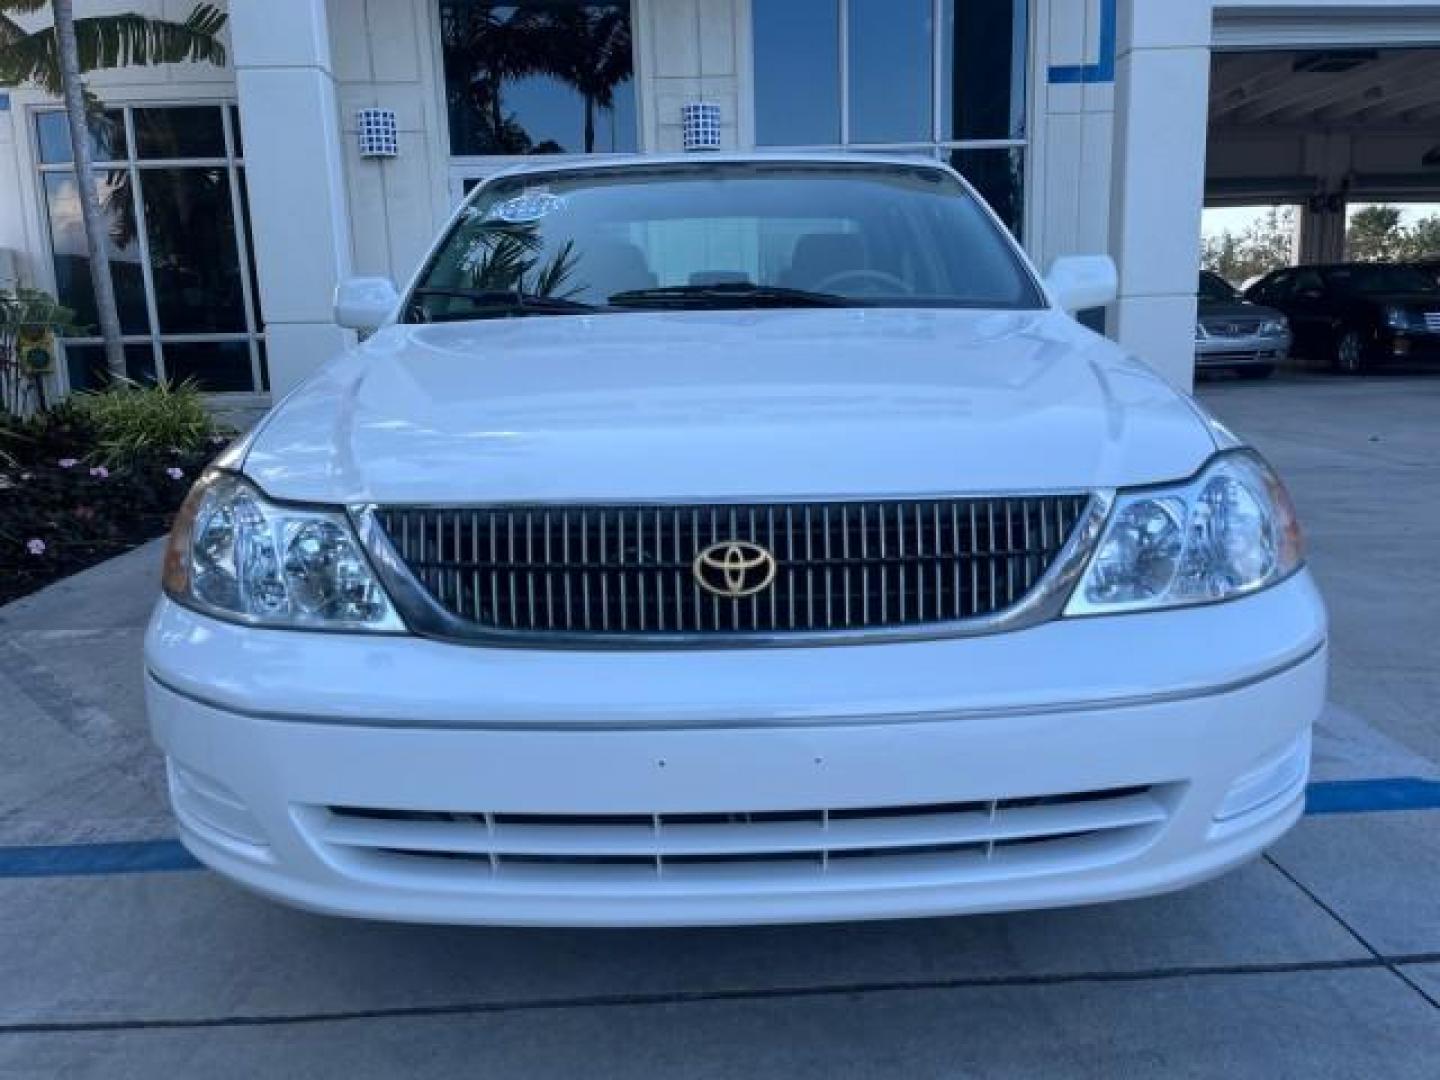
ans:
x=1323 y=959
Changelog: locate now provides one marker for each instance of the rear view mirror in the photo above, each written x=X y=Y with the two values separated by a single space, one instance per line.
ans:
x=1083 y=281
x=365 y=303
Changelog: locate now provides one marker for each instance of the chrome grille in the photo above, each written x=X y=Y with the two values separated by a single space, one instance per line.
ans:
x=1232 y=328
x=628 y=570
x=1432 y=321
x=951 y=839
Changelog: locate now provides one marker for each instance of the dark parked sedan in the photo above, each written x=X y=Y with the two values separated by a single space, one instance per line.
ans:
x=1232 y=334
x=1357 y=315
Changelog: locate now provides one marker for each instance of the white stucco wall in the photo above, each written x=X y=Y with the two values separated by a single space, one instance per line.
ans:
x=384 y=54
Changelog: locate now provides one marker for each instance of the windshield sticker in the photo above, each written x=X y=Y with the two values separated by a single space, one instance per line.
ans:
x=523 y=209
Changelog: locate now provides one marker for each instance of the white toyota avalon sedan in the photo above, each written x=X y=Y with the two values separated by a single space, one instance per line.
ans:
x=728 y=540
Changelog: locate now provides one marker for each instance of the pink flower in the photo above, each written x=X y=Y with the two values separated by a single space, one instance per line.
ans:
x=35 y=546
x=101 y=472
x=68 y=462
x=174 y=473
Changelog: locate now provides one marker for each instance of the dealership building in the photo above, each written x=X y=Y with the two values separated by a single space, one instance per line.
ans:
x=342 y=133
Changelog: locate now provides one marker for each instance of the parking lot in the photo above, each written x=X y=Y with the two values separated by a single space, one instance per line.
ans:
x=1320 y=960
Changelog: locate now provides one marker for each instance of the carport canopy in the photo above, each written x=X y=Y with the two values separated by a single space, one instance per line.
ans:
x=1345 y=111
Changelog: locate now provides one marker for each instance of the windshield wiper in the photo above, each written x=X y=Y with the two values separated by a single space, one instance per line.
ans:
x=501 y=302
x=729 y=294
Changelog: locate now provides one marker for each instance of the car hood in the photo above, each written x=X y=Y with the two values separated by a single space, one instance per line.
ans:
x=1235 y=309
x=727 y=405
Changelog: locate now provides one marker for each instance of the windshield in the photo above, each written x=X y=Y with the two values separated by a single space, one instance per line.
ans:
x=1214 y=287
x=1380 y=278
x=721 y=235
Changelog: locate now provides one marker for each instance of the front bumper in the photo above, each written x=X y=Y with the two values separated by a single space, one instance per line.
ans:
x=1237 y=352
x=1085 y=760
x=1408 y=345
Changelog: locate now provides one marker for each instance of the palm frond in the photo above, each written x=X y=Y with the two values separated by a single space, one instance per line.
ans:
x=113 y=41
x=31 y=58
x=553 y=276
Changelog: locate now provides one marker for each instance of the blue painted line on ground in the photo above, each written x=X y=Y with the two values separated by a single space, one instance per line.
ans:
x=1372 y=796
x=66 y=860
x=149 y=856
x=1103 y=70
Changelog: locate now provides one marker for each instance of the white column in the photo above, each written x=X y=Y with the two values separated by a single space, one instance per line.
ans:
x=1162 y=80
x=295 y=171
x=12 y=225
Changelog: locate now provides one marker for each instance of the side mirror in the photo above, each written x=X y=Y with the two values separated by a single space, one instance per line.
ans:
x=1083 y=281
x=364 y=303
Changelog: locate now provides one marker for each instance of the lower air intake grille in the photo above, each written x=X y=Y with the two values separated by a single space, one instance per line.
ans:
x=1029 y=834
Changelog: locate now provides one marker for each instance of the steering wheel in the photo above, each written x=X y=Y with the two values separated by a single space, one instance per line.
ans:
x=888 y=282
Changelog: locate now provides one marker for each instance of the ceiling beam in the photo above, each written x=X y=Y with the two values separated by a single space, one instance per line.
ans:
x=1306 y=94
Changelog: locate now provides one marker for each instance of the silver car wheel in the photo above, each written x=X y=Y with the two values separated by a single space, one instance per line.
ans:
x=1349 y=352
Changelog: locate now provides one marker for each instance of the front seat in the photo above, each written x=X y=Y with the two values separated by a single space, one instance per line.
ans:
x=608 y=266
x=823 y=255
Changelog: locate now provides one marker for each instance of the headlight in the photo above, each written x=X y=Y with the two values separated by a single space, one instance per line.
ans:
x=1273 y=327
x=1229 y=531
x=1397 y=318
x=234 y=555
x=1200 y=334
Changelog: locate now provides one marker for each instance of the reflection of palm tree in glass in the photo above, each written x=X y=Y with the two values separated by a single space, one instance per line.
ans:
x=503 y=257
x=586 y=46
x=490 y=49
x=590 y=48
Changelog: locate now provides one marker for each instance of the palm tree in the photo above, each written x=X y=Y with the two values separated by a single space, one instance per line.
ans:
x=55 y=58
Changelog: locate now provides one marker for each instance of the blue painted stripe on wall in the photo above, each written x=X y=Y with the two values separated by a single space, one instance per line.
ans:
x=148 y=856
x=1103 y=70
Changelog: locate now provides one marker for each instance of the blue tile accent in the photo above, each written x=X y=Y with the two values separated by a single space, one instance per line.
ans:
x=1103 y=70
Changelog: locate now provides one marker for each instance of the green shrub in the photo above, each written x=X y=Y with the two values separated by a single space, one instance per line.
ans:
x=132 y=421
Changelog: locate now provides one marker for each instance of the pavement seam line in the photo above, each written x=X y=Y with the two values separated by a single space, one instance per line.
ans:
x=1392 y=964
x=700 y=997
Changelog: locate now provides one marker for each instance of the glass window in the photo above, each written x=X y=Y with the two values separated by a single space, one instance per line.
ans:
x=180 y=133
x=797 y=79
x=890 y=45
x=1380 y=279
x=179 y=258
x=538 y=77
x=216 y=365
x=86 y=365
x=865 y=236
x=107 y=137
x=984 y=50
x=73 y=287
x=999 y=176
x=194 y=260
x=923 y=76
